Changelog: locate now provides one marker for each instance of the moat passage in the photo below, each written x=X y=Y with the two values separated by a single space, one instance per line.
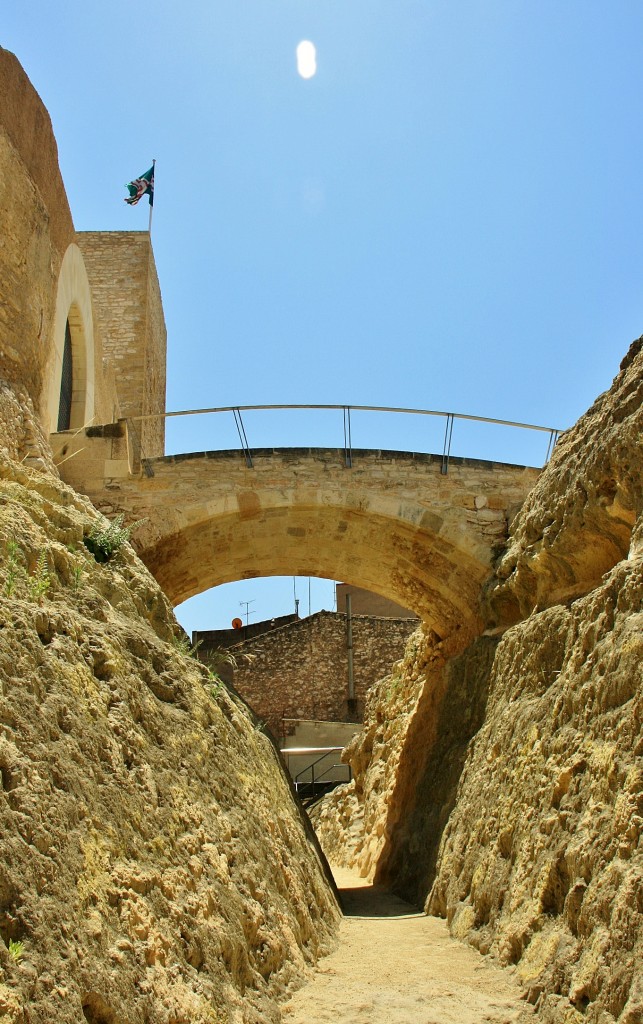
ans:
x=395 y=965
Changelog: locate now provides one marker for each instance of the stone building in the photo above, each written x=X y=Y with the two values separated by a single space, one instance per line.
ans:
x=301 y=670
x=86 y=306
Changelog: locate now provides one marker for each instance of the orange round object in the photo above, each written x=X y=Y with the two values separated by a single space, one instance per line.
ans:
x=237 y=624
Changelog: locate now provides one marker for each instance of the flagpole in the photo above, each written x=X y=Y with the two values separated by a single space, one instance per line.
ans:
x=149 y=227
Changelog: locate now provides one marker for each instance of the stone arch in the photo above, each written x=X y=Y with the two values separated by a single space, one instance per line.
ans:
x=73 y=315
x=385 y=555
x=393 y=523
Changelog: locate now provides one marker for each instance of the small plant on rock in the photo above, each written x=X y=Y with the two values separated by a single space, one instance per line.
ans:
x=105 y=541
x=39 y=581
x=183 y=646
x=15 y=570
x=16 y=950
x=77 y=572
x=216 y=684
x=394 y=687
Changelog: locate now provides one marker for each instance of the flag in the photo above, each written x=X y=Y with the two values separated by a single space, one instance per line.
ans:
x=143 y=186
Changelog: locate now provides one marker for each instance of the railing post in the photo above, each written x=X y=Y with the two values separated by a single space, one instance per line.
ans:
x=241 y=430
x=553 y=438
x=348 y=452
x=447 y=444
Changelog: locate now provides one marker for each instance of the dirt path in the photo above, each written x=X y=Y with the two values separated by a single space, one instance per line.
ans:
x=395 y=966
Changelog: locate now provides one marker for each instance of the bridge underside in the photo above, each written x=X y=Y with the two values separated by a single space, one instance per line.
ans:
x=393 y=523
x=415 y=568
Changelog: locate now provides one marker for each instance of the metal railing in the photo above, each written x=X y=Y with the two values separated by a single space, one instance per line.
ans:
x=315 y=776
x=346 y=410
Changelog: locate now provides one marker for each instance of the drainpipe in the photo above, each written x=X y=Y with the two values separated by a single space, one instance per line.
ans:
x=349 y=644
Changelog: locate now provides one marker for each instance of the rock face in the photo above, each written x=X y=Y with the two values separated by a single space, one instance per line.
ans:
x=512 y=800
x=542 y=861
x=542 y=858
x=154 y=868
x=357 y=823
x=577 y=522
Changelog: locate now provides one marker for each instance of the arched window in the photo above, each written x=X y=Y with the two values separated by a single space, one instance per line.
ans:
x=69 y=402
x=66 y=383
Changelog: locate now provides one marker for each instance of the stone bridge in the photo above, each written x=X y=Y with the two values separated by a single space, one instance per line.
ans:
x=393 y=522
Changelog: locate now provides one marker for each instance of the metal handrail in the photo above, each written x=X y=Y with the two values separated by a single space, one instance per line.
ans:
x=236 y=410
x=311 y=767
x=338 y=764
x=349 y=408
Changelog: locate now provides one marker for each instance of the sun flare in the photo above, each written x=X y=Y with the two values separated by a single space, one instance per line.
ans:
x=306 y=59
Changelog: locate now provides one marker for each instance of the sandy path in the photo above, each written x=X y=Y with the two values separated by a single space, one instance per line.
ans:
x=395 y=966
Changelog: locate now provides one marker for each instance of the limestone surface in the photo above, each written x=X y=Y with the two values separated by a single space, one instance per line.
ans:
x=154 y=866
x=358 y=822
x=577 y=521
x=542 y=859
x=511 y=800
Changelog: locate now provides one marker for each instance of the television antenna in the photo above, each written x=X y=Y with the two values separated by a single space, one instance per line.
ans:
x=247 y=605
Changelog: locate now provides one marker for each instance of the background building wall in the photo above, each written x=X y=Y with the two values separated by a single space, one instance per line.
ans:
x=300 y=670
x=209 y=640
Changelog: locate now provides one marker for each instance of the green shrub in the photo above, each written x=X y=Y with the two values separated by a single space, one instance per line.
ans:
x=105 y=541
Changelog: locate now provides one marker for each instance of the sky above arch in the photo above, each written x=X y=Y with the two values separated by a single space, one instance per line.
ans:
x=446 y=215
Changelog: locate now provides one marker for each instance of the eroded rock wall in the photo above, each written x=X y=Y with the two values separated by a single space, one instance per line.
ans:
x=578 y=520
x=521 y=769
x=542 y=861
x=22 y=438
x=542 y=858
x=154 y=867
x=360 y=825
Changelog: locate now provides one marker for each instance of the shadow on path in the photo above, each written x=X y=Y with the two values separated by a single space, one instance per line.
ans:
x=373 y=901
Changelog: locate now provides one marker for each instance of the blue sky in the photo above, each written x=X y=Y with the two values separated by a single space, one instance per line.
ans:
x=447 y=216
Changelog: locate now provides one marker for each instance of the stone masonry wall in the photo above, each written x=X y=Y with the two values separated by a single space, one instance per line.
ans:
x=393 y=523
x=127 y=305
x=35 y=229
x=301 y=670
x=25 y=119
